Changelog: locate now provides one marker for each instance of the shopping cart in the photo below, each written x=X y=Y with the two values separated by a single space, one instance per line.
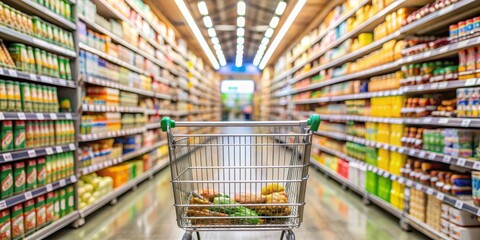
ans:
x=250 y=177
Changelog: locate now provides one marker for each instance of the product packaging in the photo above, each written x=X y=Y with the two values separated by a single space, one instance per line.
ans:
x=19 y=177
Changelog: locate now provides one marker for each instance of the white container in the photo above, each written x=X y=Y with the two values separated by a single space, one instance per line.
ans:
x=445 y=226
x=464 y=233
x=463 y=218
x=445 y=211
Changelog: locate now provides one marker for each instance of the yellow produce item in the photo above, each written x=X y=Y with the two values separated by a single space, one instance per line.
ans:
x=271 y=188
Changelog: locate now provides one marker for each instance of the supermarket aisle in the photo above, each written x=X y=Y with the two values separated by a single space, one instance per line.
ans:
x=331 y=213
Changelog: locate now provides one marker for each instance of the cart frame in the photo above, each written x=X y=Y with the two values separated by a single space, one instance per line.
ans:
x=240 y=181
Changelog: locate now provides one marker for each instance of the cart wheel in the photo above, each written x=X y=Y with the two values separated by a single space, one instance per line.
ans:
x=291 y=235
x=187 y=236
x=404 y=225
x=114 y=202
x=366 y=201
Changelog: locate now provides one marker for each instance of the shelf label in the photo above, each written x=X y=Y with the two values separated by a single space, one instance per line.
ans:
x=386 y=174
x=409 y=183
x=432 y=156
x=32 y=153
x=411 y=152
x=443 y=85
x=429 y=191
x=427 y=120
x=446 y=159
x=443 y=121
x=440 y=196
x=461 y=162
x=71 y=146
x=1 y=71
x=470 y=82
x=7 y=157
x=2 y=117
x=12 y=73
x=62 y=183
x=53 y=116
x=59 y=149
x=40 y=116
x=422 y=154
x=21 y=116
x=115 y=161
x=380 y=172
x=434 y=86
x=33 y=77
x=73 y=178
x=458 y=204
x=476 y=165
x=465 y=122
x=3 y=204
x=28 y=195
x=393 y=177
x=401 y=150
x=49 y=150
x=49 y=187
x=68 y=115
x=418 y=187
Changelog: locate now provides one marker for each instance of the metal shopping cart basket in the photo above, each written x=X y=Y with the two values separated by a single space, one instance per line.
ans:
x=251 y=176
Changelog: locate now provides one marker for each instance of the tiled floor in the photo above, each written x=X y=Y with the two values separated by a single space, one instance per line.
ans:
x=331 y=213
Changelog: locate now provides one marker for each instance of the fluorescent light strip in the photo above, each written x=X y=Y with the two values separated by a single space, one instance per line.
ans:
x=196 y=31
x=273 y=46
x=241 y=8
x=202 y=8
x=280 y=8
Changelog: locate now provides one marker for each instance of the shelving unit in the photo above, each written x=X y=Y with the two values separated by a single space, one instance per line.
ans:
x=294 y=94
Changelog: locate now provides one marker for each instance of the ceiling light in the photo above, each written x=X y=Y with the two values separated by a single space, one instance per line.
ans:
x=219 y=52
x=217 y=47
x=280 y=8
x=274 y=22
x=265 y=41
x=207 y=21
x=223 y=62
x=202 y=7
x=240 y=32
x=196 y=31
x=298 y=7
x=239 y=51
x=212 y=32
x=256 y=60
x=269 y=32
x=241 y=7
x=262 y=47
x=215 y=40
x=240 y=40
x=240 y=46
x=241 y=22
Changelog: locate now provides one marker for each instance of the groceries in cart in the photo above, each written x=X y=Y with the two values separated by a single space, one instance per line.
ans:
x=241 y=208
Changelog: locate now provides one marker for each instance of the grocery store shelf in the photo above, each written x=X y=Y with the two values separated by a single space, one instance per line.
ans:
x=51 y=228
x=426 y=229
x=423 y=121
x=418 y=153
x=34 y=152
x=15 y=36
x=107 y=83
x=160 y=112
x=111 y=108
x=153 y=125
x=332 y=26
x=12 y=73
x=44 y=13
x=462 y=204
x=104 y=135
x=117 y=61
x=122 y=189
x=36 y=116
x=124 y=158
x=22 y=197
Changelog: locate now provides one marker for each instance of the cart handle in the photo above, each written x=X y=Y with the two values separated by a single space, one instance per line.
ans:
x=313 y=121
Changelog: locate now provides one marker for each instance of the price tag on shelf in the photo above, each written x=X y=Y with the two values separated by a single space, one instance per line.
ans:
x=12 y=73
x=59 y=149
x=429 y=191
x=49 y=150
x=32 y=153
x=62 y=183
x=409 y=183
x=40 y=116
x=462 y=44
x=393 y=177
x=3 y=204
x=393 y=148
x=2 y=117
x=33 y=77
x=434 y=86
x=21 y=116
x=73 y=178
x=411 y=152
x=386 y=174
x=7 y=157
x=115 y=161
x=53 y=116
x=28 y=195
x=458 y=204
x=95 y=136
x=465 y=123
x=440 y=196
x=461 y=162
x=476 y=165
x=443 y=121
x=432 y=156
x=470 y=82
x=422 y=154
x=71 y=146
x=443 y=85
x=420 y=87
x=443 y=49
x=1 y=71
x=401 y=150
x=49 y=187
x=418 y=187
x=427 y=120
x=68 y=115
x=380 y=172
x=446 y=159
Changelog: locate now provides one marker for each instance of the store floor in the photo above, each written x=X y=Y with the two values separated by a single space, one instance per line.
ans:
x=331 y=213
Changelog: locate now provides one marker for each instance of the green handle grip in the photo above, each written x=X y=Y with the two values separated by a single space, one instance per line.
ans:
x=314 y=122
x=166 y=121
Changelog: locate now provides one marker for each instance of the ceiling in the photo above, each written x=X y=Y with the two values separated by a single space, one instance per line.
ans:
x=224 y=17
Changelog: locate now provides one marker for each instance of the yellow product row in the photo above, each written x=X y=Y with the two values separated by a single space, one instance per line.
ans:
x=390 y=106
